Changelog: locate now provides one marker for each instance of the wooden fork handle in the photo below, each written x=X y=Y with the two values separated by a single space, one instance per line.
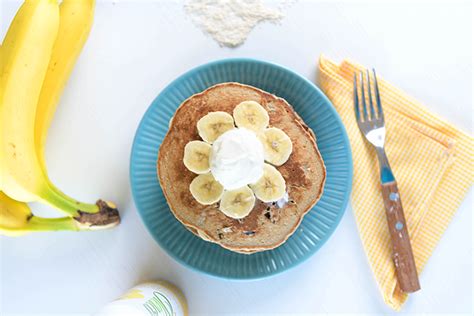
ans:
x=402 y=253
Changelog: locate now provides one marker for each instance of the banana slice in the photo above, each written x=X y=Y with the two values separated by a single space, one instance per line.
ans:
x=271 y=186
x=205 y=189
x=214 y=124
x=277 y=146
x=196 y=156
x=237 y=203
x=251 y=115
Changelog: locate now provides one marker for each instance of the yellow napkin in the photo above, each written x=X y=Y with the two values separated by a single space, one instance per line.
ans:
x=432 y=162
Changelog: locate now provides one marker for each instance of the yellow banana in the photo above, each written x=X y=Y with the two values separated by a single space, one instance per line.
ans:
x=14 y=31
x=75 y=22
x=25 y=59
x=26 y=53
x=16 y=219
x=13 y=215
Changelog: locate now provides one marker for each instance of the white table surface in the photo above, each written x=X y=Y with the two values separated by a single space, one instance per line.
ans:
x=134 y=50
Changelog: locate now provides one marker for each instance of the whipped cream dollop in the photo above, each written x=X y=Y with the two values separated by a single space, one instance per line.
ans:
x=237 y=158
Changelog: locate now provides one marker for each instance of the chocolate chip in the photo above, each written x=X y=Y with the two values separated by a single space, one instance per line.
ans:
x=268 y=215
x=220 y=235
x=249 y=233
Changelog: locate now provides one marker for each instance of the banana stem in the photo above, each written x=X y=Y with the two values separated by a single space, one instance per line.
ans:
x=51 y=224
x=103 y=215
x=67 y=204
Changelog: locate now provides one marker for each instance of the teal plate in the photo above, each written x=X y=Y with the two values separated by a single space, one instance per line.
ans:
x=318 y=113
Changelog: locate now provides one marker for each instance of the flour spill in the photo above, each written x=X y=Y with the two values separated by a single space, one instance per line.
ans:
x=229 y=22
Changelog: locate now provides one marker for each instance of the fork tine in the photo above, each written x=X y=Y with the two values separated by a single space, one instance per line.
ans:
x=377 y=95
x=369 y=90
x=364 y=105
x=356 y=99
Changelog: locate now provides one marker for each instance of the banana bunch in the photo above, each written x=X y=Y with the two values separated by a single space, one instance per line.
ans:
x=36 y=58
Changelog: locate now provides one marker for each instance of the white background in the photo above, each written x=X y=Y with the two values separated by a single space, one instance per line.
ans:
x=134 y=50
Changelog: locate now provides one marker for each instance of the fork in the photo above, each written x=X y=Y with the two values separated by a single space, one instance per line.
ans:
x=372 y=125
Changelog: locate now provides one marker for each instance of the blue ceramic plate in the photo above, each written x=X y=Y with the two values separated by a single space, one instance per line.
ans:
x=315 y=109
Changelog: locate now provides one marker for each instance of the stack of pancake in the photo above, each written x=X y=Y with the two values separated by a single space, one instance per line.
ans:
x=269 y=224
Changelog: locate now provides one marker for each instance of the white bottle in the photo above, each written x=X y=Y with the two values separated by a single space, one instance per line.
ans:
x=158 y=298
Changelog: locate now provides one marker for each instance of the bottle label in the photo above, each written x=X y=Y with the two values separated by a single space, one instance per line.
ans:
x=159 y=305
x=148 y=299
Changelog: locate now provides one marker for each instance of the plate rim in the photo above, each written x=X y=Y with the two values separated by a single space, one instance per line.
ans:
x=348 y=183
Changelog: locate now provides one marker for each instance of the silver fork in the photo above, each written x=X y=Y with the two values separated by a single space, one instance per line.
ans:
x=372 y=125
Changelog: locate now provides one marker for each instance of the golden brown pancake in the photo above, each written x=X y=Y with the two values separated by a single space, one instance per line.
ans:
x=267 y=226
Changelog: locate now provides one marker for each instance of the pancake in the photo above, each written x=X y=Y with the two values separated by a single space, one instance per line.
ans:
x=268 y=225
